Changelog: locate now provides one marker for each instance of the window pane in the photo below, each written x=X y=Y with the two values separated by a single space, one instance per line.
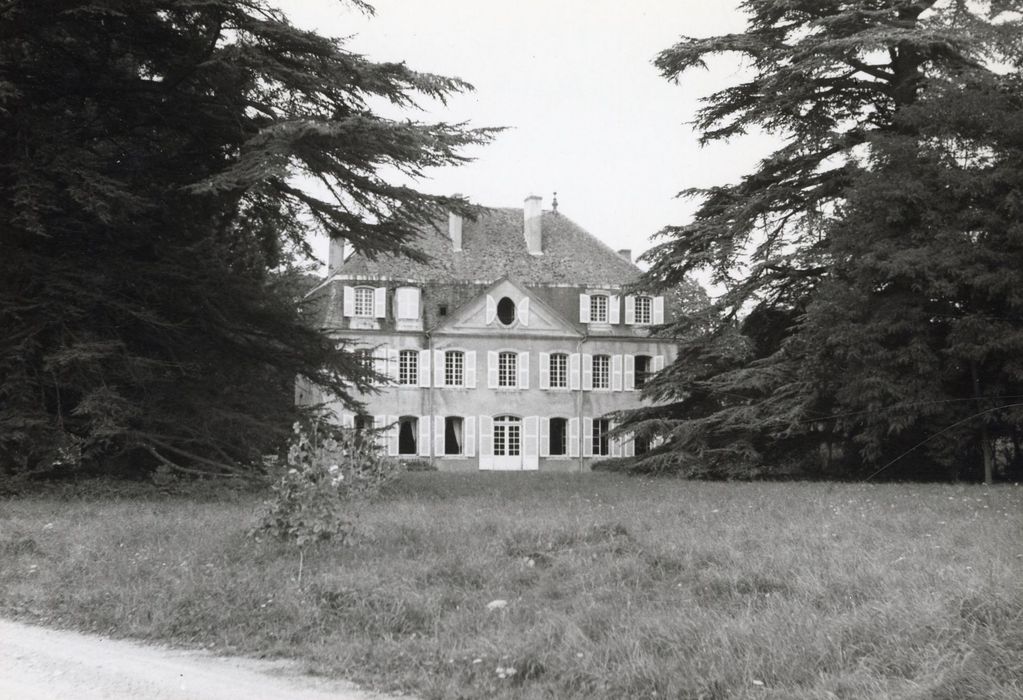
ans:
x=508 y=369
x=598 y=308
x=454 y=363
x=643 y=364
x=601 y=443
x=601 y=371
x=643 y=309
x=364 y=301
x=408 y=367
x=408 y=428
x=453 y=435
x=559 y=371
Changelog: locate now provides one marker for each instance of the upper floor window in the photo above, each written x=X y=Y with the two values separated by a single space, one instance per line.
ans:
x=601 y=441
x=644 y=310
x=408 y=367
x=601 y=371
x=454 y=368
x=598 y=308
x=559 y=370
x=508 y=369
x=364 y=297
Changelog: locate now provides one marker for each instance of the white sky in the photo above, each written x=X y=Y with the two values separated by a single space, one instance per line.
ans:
x=590 y=116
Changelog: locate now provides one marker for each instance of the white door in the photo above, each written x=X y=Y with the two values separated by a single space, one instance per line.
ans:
x=507 y=443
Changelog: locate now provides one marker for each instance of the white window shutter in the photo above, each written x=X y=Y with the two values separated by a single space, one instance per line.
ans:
x=587 y=437
x=658 y=315
x=486 y=437
x=523 y=311
x=587 y=372
x=392 y=364
x=573 y=437
x=491 y=370
x=616 y=447
x=470 y=369
x=438 y=435
x=531 y=436
x=380 y=302
x=573 y=371
x=391 y=434
x=348 y=301
x=544 y=369
x=348 y=420
x=630 y=373
x=423 y=442
x=545 y=436
x=584 y=308
x=438 y=368
x=424 y=368
x=406 y=302
x=469 y=436
x=380 y=361
x=658 y=363
x=523 y=370
x=614 y=309
x=630 y=309
x=616 y=373
x=629 y=446
x=491 y=310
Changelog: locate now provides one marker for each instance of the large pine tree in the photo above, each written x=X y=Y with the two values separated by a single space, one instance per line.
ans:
x=151 y=203
x=873 y=258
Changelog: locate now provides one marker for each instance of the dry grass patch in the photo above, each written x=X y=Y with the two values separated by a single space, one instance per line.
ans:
x=615 y=587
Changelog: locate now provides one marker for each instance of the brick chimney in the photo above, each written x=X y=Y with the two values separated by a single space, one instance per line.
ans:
x=455 y=231
x=336 y=255
x=626 y=253
x=532 y=224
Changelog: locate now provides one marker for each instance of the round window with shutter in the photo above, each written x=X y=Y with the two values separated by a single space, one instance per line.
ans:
x=506 y=311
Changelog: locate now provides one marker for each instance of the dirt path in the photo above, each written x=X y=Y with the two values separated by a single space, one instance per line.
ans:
x=43 y=664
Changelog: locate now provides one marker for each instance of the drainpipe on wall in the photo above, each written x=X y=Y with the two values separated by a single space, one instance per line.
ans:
x=429 y=402
x=579 y=398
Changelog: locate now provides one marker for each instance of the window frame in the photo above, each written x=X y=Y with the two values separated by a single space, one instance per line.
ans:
x=551 y=434
x=507 y=370
x=408 y=372
x=595 y=307
x=451 y=370
x=360 y=294
x=605 y=373
x=562 y=372
x=640 y=301
x=601 y=443
x=640 y=378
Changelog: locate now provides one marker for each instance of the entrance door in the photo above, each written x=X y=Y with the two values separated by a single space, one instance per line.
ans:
x=507 y=443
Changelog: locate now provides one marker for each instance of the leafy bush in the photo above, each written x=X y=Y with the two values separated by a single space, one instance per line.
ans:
x=311 y=501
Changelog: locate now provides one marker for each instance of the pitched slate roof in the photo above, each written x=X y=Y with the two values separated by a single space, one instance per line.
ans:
x=493 y=246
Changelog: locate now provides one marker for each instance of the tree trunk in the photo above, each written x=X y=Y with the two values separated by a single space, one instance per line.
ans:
x=985 y=440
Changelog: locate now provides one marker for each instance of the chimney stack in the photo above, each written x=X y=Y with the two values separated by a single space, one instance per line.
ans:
x=336 y=255
x=531 y=225
x=626 y=253
x=455 y=231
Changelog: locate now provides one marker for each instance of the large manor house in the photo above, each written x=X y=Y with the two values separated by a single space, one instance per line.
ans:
x=506 y=351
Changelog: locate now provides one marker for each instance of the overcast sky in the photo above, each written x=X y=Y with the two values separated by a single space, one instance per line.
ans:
x=588 y=114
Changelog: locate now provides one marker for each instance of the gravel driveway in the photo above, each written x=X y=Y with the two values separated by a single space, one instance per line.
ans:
x=40 y=664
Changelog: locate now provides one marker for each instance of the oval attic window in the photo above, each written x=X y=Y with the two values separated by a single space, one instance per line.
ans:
x=506 y=311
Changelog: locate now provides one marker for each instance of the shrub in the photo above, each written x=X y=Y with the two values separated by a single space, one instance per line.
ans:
x=312 y=500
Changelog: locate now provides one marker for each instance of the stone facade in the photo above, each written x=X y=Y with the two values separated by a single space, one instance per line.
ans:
x=506 y=350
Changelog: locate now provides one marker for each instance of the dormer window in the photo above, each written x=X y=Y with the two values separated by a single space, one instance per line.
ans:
x=364 y=302
x=644 y=310
x=598 y=308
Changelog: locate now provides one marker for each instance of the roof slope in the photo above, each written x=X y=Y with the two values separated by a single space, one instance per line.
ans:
x=494 y=246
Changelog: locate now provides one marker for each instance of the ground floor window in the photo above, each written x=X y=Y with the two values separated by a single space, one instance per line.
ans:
x=644 y=367
x=601 y=442
x=507 y=436
x=408 y=431
x=642 y=443
x=558 y=436
x=453 y=439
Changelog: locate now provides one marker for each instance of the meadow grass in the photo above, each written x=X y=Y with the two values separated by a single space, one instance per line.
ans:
x=615 y=587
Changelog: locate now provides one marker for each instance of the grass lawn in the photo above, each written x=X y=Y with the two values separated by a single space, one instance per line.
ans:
x=616 y=587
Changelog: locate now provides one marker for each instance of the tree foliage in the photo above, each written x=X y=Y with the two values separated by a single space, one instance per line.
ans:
x=155 y=198
x=874 y=256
